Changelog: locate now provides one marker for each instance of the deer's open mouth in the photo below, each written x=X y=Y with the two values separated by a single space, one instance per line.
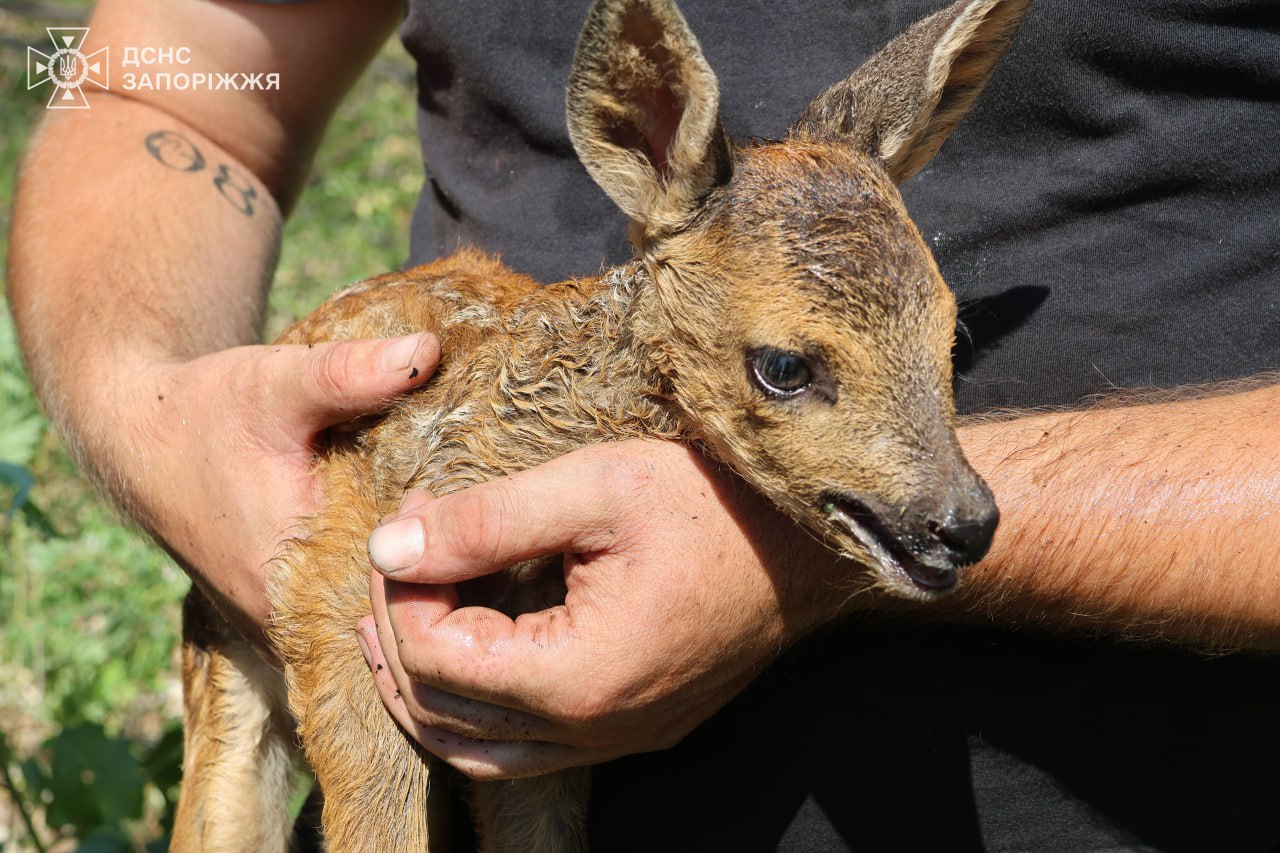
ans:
x=895 y=561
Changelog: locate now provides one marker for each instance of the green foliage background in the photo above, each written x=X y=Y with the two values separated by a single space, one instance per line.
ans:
x=89 y=693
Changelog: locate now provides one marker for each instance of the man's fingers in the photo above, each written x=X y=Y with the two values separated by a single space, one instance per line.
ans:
x=388 y=678
x=532 y=663
x=477 y=757
x=472 y=652
x=491 y=760
x=483 y=741
x=380 y=644
x=331 y=383
x=463 y=716
x=562 y=506
x=402 y=615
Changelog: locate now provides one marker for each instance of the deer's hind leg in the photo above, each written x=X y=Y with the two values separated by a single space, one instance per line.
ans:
x=238 y=748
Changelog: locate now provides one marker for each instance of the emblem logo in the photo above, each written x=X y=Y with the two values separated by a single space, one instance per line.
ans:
x=68 y=68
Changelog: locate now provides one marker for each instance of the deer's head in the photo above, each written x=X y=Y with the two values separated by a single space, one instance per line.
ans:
x=799 y=317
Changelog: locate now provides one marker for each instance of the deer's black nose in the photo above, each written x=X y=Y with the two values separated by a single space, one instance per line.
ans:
x=966 y=535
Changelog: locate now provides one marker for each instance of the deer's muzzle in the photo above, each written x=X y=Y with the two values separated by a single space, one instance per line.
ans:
x=923 y=546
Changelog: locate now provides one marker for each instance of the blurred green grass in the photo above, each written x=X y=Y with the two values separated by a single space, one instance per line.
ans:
x=89 y=616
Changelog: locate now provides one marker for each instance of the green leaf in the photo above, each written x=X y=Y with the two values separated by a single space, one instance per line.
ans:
x=20 y=434
x=36 y=780
x=163 y=761
x=96 y=781
x=163 y=766
x=39 y=522
x=20 y=480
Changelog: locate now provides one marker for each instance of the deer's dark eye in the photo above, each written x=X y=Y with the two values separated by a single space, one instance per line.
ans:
x=780 y=372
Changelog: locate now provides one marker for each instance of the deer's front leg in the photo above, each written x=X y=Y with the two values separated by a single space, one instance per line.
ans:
x=375 y=780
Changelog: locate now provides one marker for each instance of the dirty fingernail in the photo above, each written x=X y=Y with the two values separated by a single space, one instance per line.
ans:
x=398 y=355
x=397 y=545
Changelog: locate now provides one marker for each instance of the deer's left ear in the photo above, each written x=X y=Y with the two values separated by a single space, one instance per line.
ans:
x=644 y=112
x=902 y=103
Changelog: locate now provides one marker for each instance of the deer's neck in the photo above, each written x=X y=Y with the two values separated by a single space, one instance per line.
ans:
x=588 y=346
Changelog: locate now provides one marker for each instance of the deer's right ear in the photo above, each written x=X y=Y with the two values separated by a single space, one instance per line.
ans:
x=644 y=112
x=902 y=103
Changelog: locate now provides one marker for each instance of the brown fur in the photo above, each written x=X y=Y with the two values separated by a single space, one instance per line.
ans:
x=802 y=245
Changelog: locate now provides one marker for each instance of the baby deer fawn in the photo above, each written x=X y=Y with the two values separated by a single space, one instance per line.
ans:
x=782 y=313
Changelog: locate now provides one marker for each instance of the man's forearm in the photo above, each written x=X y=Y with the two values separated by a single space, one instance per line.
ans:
x=135 y=242
x=138 y=245
x=1155 y=521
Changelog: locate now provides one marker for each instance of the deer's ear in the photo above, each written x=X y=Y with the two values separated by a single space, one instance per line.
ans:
x=902 y=103
x=644 y=112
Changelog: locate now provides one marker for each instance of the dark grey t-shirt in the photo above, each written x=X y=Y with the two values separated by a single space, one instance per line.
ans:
x=1107 y=217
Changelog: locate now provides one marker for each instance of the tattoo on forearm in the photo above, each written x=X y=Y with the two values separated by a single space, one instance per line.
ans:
x=235 y=189
x=175 y=151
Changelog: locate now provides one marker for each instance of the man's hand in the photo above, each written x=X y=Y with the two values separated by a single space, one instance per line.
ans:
x=681 y=589
x=218 y=464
